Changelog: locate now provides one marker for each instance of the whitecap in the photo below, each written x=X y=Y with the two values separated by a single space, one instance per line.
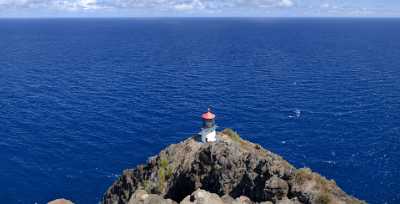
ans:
x=329 y=162
x=296 y=114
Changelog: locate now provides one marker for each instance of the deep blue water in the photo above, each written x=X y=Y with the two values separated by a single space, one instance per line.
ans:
x=83 y=99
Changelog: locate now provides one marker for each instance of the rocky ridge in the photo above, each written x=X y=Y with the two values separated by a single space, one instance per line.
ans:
x=230 y=171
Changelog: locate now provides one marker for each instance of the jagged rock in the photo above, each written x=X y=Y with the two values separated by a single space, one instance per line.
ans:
x=289 y=201
x=276 y=188
x=228 y=199
x=242 y=200
x=60 y=201
x=202 y=197
x=232 y=167
x=142 y=197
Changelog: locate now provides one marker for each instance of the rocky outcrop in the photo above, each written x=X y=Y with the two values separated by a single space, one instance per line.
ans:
x=142 y=197
x=230 y=171
x=60 y=201
x=202 y=197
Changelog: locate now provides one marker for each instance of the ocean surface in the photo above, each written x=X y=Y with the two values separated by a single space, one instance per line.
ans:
x=83 y=99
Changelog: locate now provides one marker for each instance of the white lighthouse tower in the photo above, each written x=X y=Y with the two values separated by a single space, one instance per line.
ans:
x=208 y=131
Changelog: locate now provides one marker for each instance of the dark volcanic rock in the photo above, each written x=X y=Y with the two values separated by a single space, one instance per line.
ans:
x=238 y=170
x=276 y=188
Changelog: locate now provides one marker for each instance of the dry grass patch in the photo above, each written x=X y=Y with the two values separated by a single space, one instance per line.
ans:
x=233 y=135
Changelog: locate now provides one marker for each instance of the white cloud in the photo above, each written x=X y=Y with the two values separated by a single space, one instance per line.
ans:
x=335 y=9
x=150 y=7
x=76 y=5
x=178 y=5
x=325 y=5
x=88 y=4
x=70 y=5
x=13 y=2
x=286 y=3
x=183 y=7
x=189 y=6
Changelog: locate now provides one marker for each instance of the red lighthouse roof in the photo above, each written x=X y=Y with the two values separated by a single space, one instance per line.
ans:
x=208 y=115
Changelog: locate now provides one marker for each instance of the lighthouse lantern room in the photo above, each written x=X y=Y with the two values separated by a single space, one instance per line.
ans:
x=208 y=131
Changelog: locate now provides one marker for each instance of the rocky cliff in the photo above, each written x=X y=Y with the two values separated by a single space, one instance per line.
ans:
x=230 y=171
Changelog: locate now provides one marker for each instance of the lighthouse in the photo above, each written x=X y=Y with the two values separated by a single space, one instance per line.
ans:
x=208 y=131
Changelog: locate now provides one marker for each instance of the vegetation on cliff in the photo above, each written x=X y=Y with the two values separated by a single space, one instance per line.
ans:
x=231 y=170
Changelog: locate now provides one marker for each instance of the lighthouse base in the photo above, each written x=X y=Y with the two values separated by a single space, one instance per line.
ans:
x=208 y=135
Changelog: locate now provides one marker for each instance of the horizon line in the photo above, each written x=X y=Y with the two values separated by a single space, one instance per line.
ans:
x=199 y=17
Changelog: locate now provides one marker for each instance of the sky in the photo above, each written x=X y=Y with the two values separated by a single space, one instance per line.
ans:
x=197 y=8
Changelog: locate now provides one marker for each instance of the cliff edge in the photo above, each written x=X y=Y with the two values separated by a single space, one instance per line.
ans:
x=230 y=171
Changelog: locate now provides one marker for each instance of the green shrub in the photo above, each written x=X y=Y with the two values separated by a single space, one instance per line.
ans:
x=323 y=199
x=164 y=163
x=146 y=186
x=170 y=171
x=161 y=179
x=165 y=171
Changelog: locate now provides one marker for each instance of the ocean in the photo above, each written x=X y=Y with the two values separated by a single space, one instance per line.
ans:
x=83 y=99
